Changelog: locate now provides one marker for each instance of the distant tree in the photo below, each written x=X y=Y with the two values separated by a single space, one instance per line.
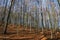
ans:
x=4 y=13
x=58 y=2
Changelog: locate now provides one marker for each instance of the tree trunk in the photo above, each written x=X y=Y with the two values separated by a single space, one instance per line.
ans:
x=6 y=25
x=4 y=11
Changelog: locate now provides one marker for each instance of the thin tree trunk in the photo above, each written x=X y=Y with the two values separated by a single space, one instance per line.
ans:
x=5 y=30
x=42 y=20
x=4 y=11
x=30 y=22
x=58 y=2
x=50 y=23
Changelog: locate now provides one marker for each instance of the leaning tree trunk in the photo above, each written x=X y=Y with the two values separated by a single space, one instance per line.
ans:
x=5 y=30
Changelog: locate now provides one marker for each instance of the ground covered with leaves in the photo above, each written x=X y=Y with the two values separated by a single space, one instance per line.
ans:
x=20 y=33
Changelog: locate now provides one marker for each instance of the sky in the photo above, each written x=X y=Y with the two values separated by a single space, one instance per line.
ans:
x=33 y=2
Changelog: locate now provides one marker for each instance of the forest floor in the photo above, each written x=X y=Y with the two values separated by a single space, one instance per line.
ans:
x=14 y=34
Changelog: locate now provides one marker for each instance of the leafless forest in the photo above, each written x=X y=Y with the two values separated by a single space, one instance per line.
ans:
x=29 y=19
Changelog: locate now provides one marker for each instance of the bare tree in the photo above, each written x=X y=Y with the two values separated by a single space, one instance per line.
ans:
x=58 y=2
x=4 y=13
x=6 y=25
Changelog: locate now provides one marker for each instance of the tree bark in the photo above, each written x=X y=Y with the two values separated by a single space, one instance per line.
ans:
x=5 y=30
